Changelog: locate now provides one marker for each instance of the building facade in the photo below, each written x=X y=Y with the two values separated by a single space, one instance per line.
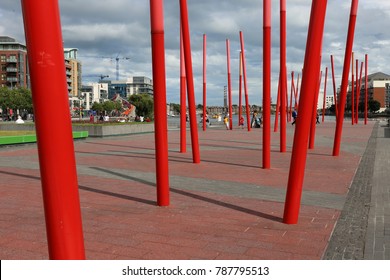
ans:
x=13 y=64
x=130 y=86
x=73 y=72
x=378 y=89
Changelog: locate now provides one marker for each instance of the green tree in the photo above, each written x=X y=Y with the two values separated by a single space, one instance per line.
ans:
x=373 y=105
x=175 y=108
x=98 y=107
x=143 y=103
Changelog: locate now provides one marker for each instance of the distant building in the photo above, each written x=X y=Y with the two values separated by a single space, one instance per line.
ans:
x=97 y=92
x=329 y=100
x=378 y=89
x=73 y=71
x=130 y=86
x=13 y=64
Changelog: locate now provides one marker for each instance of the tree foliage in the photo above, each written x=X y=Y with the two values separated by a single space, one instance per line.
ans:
x=17 y=98
x=373 y=105
x=143 y=103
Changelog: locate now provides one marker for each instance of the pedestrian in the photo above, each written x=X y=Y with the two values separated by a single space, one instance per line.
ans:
x=294 y=115
x=254 y=118
x=226 y=121
x=318 y=118
x=241 y=122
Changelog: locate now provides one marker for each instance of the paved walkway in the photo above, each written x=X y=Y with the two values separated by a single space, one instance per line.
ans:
x=226 y=207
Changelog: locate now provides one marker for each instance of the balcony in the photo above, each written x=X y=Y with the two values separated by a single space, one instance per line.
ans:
x=12 y=69
x=12 y=60
x=12 y=79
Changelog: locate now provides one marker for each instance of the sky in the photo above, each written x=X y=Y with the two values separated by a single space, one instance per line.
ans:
x=105 y=30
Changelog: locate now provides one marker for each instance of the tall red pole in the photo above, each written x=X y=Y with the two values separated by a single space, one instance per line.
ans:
x=334 y=87
x=267 y=84
x=365 y=88
x=306 y=100
x=240 y=89
x=229 y=84
x=190 y=81
x=297 y=93
x=324 y=101
x=314 y=115
x=291 y=96
x=277 y=108
x=204 y=82
x=55 y=142
x=247 y=109
x=353 y=92
x=358 y=91
x=183 y=106
x=160 y=101
x=283 y=76
x=344 y=82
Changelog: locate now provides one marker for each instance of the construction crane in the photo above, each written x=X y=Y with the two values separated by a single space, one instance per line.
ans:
x=117 y=64
x=117 y=58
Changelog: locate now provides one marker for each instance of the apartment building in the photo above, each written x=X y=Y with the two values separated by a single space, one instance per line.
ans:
x=13 y=63
x=73 y=71
x=130 y=86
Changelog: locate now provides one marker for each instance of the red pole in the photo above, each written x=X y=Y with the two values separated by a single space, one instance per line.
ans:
x=183 y=106
x=229 y=83
x=314 y=115
x=358 y=92
x=267 y=84
x=160 y=109
x=277 y=108
x=55 y=141
x=306 y=100
x=291 y=96
x=204 y=82
x=283 y=76
x=353 y=93
x=190 y=81
x=240 y=89
x=334 y=87
x=344 y=82
x=324 y=101
x=248 y=120
x=296 y=93
x=366 y=89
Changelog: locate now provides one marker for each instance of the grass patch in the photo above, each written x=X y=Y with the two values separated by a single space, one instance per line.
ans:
x=16 y=133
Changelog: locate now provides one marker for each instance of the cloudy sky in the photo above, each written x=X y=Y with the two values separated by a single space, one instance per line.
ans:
x=104 y=30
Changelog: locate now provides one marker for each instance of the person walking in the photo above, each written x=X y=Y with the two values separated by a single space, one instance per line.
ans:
x=294 y=115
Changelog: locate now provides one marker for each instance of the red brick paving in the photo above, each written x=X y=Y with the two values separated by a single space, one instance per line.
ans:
x=121 y=221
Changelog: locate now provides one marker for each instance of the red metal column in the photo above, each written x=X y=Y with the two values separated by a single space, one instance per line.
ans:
x=183 y=106
x=306 y=100
x=204 y=82
x=240 y=89
x=283 y=76
x=267 y=84
x=160 y=103
x=55 y=142
x=344 y=82
x=314 y=114
x=353 y=92
x=245 y=83
x=277 y=111
x=324 y=101
x=229 y=84
x=190 y=81
x=358 y=91
x=291 y=96
x=334 y=87
x=365 y=88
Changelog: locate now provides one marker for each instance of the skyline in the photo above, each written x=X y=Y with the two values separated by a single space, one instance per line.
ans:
x=122 y=29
